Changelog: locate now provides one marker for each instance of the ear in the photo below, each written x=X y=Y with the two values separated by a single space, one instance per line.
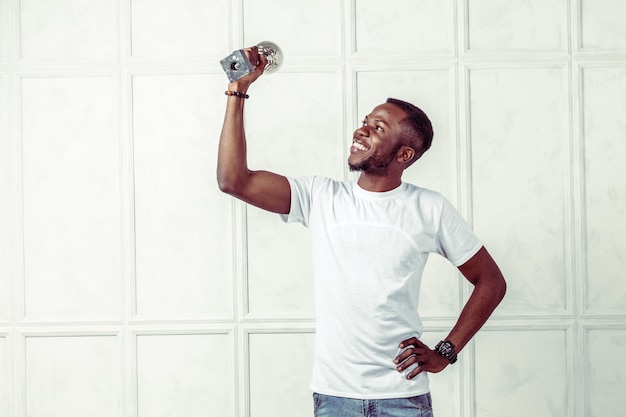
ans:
x=405 y=155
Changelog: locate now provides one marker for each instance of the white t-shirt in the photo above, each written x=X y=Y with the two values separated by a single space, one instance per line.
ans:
x=369 y=252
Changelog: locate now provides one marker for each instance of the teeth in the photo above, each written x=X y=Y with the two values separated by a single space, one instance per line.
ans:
x=359 y=146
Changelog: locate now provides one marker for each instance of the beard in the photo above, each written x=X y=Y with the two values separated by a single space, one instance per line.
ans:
x=376 y=163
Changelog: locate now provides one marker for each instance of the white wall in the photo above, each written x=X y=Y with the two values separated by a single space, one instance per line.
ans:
x=129 y=286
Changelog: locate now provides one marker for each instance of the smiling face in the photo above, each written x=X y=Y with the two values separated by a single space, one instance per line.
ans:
x=375 y=145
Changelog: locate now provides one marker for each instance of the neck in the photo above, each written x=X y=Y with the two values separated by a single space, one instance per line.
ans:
x=378 y=183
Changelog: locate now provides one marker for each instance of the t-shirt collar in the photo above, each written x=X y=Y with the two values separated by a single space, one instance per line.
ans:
x=377 y=195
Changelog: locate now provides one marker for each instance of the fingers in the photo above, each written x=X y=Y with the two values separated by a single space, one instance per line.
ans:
x=414 y=341
x=416 y=352
x=256 y=59
x=253 y=55
x=408 y=342
x=261 y=62
x=258 y=62
x=409 y=357
x=415 y=372
x=413 y=351
x=409 y=366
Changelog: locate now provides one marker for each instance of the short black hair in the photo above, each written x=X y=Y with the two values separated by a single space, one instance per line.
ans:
x=417 y=129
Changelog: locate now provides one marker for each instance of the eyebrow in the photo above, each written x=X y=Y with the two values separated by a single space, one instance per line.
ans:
x=378 y=120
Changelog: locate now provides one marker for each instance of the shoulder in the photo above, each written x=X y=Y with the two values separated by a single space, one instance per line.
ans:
x=316 y=184
x=424 y=195
x=432 y=205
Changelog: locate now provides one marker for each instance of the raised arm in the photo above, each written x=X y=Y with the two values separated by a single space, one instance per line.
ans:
x=263 y=189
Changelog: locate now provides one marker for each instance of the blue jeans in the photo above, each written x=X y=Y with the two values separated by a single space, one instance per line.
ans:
x=329 y=406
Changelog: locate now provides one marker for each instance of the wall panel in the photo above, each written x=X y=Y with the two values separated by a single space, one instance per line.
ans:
x=72 y=375
x=300 y=114
x=605 y=194
x=520 y=168
x=280 y=368
x=516 y=375
x=175 y=28
x=278 y=287
x=6 y=377
x=4 y=34
x=68 y=29
x=604 y=375
x=5 y=210
x=183 y=225
x=536 y=25
x=185 y=374
x=313 y=141
x=71 y=186
x=408 y=28
x=301 y=28
x=601 y=25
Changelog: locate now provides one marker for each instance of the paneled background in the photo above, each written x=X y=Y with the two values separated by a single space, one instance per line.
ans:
x=129 y=286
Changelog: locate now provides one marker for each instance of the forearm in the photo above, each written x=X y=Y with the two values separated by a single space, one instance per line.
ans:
x=232 y=155
x=489 y=289
x=488 y=292
x=232 y=166
x=479 y=307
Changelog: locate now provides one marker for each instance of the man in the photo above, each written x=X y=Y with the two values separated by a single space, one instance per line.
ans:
x=371 y=240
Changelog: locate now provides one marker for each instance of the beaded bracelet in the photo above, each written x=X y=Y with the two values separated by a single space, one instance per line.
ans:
x=236 y=94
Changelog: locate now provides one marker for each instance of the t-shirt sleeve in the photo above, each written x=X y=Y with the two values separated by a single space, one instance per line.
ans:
x=301 y=189
x=454 y=239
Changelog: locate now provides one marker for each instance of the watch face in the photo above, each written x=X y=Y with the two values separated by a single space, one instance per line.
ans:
x=446 y=348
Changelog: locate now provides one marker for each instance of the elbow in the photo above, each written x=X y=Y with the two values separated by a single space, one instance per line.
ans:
x=500 y=288
x=229 y=184
x=493 y=287
x=226 y=185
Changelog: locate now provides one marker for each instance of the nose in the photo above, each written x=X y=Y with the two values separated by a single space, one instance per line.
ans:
x=363 y=131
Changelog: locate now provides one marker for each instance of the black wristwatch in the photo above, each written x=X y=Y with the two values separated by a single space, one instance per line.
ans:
x=446 y=349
